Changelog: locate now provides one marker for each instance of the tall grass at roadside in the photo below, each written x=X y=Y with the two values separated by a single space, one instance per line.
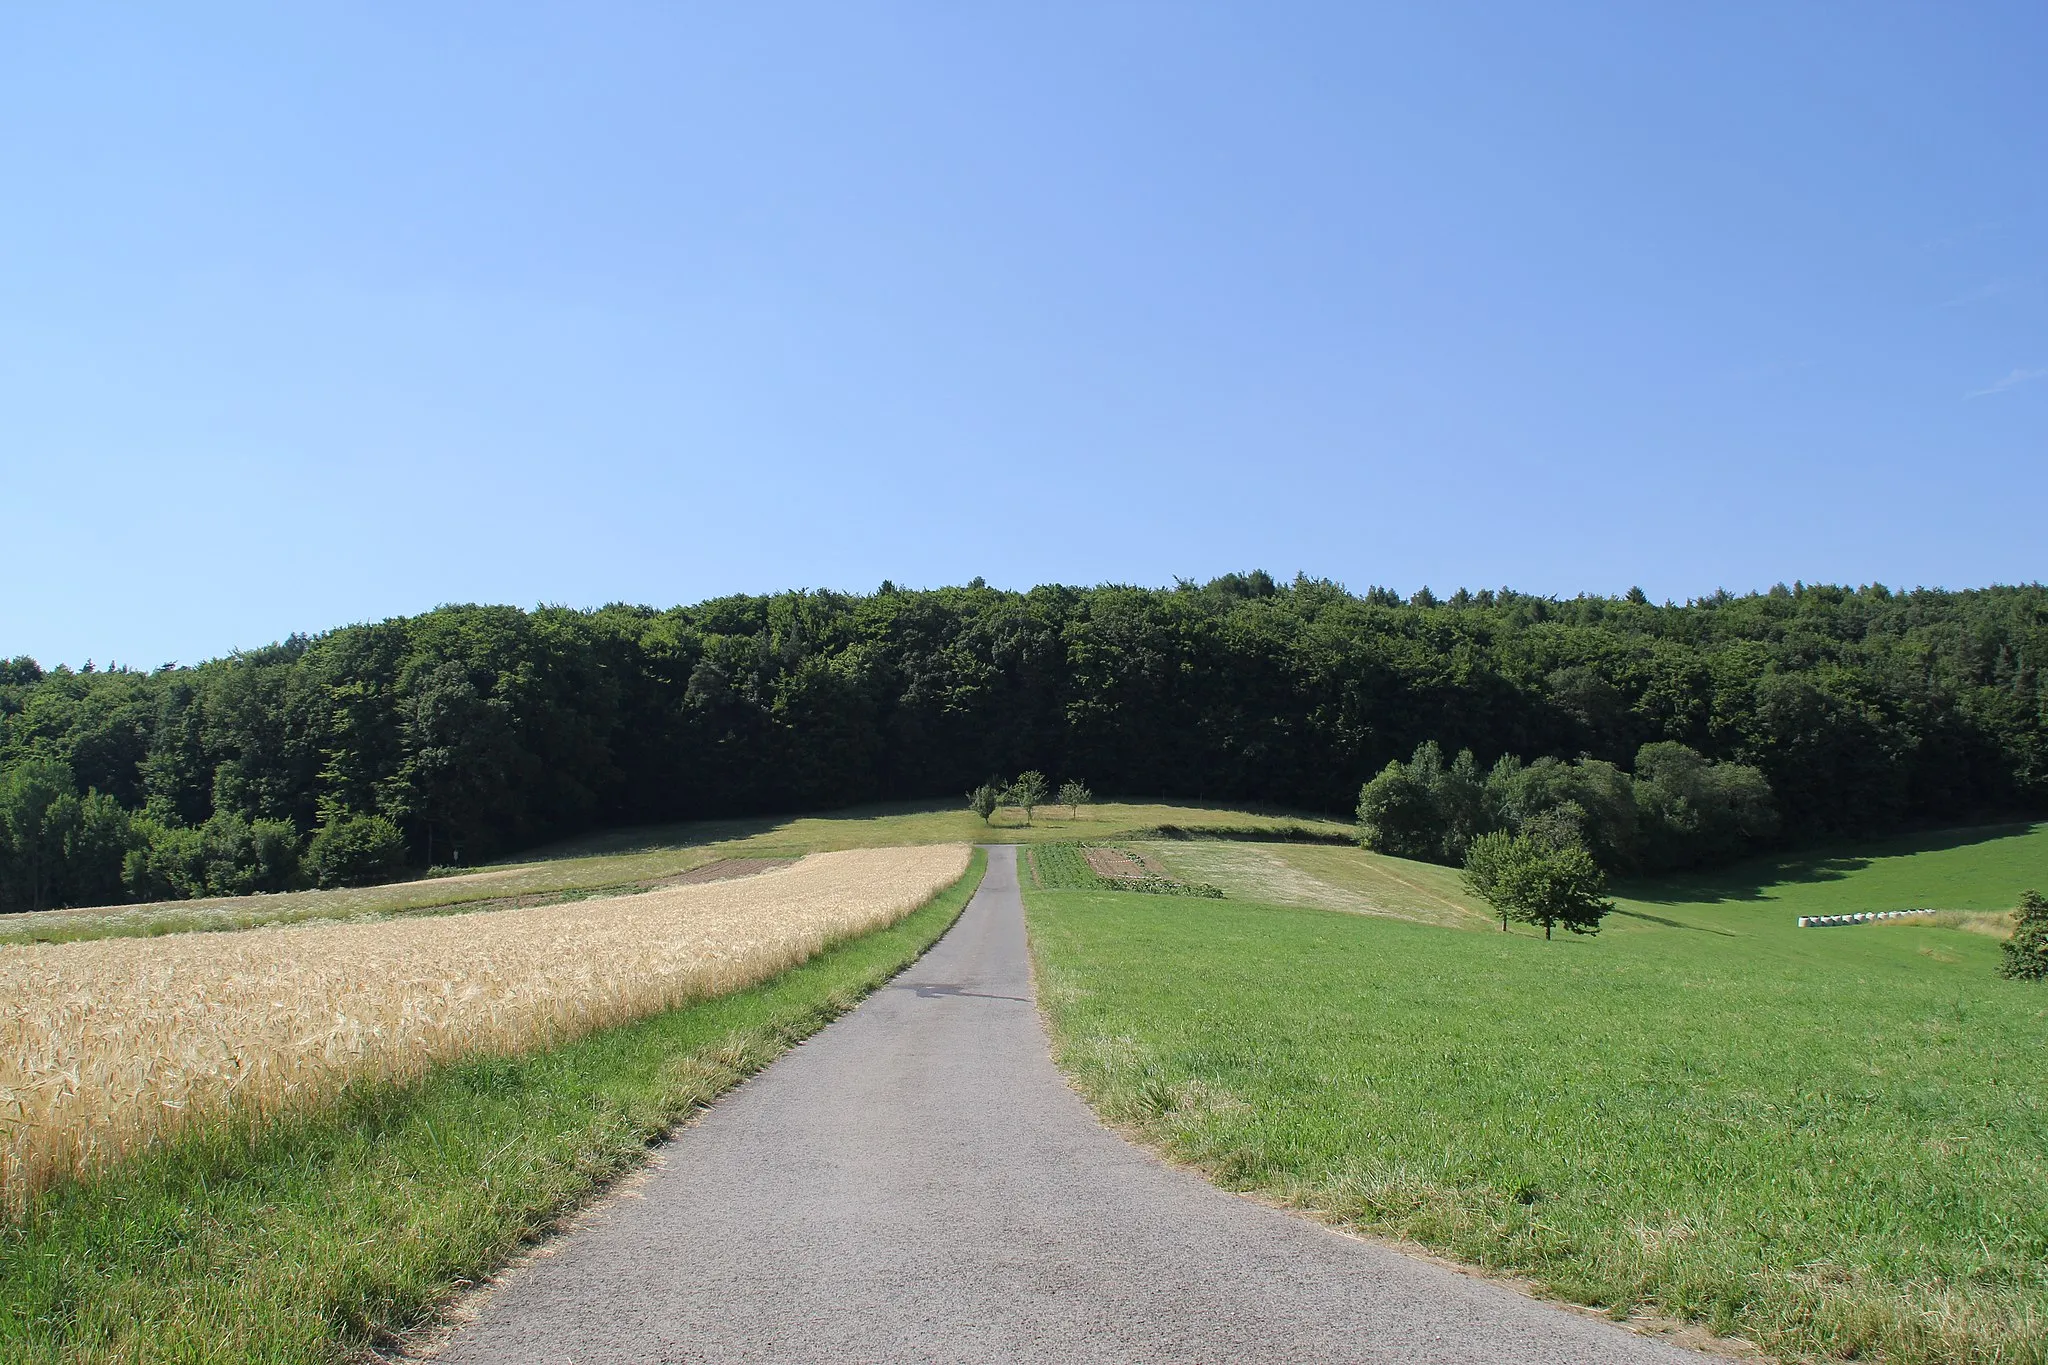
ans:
x=1834 y=1144
x=106 y=1046
x=335 y=1228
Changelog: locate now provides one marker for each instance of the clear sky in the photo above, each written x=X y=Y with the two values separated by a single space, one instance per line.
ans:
x=313 y=313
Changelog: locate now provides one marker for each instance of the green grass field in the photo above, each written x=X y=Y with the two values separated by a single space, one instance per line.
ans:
x=628 y=860
x=1832 y=1142
x=314 y=1239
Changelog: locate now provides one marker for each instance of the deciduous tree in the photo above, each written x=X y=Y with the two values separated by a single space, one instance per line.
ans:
x=1028 y=792
x=1531 y=881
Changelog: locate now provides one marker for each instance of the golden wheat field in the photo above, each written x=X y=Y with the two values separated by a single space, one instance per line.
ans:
x=107 y=1046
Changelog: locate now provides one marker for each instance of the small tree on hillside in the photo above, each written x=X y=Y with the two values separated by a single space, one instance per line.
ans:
x=1489 y=864
x=1532 y=881
x=1029 y=792
x=983 y=801
x=2026 y=952
x=1074 y=794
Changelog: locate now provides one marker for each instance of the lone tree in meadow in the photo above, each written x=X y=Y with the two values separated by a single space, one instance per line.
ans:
x=1074 y=794
x=1531 y=880
x=1028 y=791
x=983 y=801
x=2026 y=952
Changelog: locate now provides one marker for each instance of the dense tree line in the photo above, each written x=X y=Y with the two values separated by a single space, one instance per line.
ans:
x=1675 y=810
x=469 y=731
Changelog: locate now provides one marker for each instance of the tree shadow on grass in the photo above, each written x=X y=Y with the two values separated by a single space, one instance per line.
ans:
x=1750 y=880
x=1674 y=924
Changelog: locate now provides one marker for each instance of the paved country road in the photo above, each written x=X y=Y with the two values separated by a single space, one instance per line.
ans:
x=917 y=1183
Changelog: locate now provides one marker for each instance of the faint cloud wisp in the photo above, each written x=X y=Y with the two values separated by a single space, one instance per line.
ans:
x=2011 y=381
x=1998 y=288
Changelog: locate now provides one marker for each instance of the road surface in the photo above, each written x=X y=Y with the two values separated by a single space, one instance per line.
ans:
x=917 y=1183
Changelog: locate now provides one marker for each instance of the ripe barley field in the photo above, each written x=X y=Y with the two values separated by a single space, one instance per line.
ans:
x=332 y=1233
x=107 y=1047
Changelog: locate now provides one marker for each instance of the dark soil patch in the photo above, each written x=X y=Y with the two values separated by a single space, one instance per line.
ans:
x=726 y=870
x=1116 y=864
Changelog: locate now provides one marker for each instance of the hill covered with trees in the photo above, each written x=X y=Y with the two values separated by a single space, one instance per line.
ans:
x=484 y=729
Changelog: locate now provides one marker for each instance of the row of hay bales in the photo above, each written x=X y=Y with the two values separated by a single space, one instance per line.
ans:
x=1864 y=917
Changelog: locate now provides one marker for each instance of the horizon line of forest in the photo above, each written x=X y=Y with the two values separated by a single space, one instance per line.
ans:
x=469 y=731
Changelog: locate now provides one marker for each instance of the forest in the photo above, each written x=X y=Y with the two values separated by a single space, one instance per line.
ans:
x=469 y=732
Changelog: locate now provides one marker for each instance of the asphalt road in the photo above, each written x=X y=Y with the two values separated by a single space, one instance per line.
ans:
x=917 y=1183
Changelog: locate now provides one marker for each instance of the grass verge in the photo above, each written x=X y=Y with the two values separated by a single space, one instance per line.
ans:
x=1832 y=1143
x=314 y=1238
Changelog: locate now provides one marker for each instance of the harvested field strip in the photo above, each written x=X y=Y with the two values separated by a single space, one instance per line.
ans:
x=335 y=1228
x=728 y=869
x=1323 y=878
x=500 y=889
x=107 y=1046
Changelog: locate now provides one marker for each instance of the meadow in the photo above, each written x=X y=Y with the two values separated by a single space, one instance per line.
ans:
x=343 y=1224
x=1830 y=1142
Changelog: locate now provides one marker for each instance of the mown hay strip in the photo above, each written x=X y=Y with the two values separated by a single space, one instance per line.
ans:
x=106 y=1046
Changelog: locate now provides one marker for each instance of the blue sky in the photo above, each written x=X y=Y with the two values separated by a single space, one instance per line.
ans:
x=320 y=313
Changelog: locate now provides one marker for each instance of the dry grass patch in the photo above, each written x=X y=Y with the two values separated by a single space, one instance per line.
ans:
x=1324 y=877
x=1991 y=923
x=107 y=1046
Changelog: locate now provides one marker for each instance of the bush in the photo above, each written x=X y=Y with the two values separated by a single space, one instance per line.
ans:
x=166 y=864
x=1699 y=812
x=355 y=850
x=1677 y=810
x=2026 y=952
x=227 y=856
x=274 y=845
x=1425 y=808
